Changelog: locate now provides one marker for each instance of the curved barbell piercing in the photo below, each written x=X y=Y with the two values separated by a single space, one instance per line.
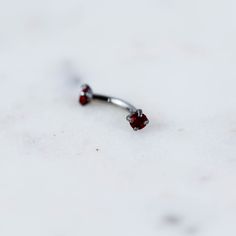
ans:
x=136 y=118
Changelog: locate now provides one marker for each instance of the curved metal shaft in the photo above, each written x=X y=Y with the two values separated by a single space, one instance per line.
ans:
x=116 y=101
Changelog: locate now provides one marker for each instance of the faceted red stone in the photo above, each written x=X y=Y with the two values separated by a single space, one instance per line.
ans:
x=84 y=100
x=85 y=95
x=137 y=121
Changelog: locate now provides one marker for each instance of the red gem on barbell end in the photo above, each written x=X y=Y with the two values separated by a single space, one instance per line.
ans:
x=137 y=121
x=86 y=88
x=83 y=100
x=86 y=95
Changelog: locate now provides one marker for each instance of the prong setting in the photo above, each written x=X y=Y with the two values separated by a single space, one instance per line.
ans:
x=137 y=120
x=139 y=112
x=128 y=118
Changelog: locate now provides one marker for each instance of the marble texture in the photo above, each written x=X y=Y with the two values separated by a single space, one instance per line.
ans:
x=72 y=171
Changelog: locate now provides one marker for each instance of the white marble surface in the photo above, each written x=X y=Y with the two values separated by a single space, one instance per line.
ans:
x=72 y=171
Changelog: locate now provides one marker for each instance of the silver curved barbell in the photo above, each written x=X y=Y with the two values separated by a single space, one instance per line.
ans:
x=136 y=118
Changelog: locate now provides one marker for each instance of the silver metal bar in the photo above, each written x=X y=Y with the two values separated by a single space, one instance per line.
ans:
x=116 y=101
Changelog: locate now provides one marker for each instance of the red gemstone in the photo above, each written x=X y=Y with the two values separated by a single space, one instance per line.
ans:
x=85 y=95
x=138 y=121
x=83 y=100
